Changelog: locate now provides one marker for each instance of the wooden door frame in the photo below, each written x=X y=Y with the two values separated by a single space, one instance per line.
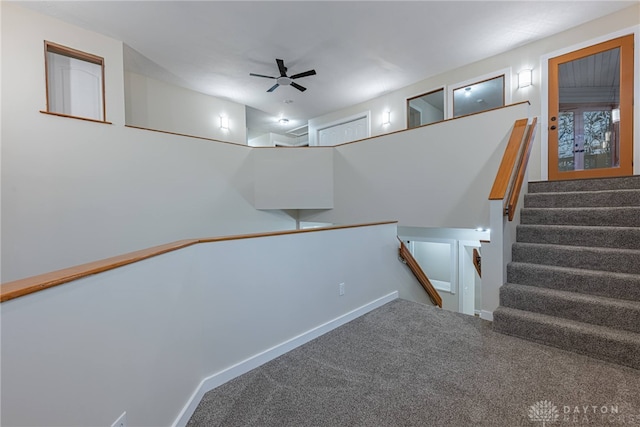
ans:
x=544 y=93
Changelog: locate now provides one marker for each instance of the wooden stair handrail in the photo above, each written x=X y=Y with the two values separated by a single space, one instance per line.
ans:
x=522 y=167
x=510 y=176
x=29 y=285
x=413 y=265
x=505 y=171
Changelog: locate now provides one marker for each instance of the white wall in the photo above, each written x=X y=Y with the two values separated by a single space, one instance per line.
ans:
x=263 y=140
x=293 y=178
x=434 y=176
x=271 y=139
x=158 y=105
x=76 y=191
x=435 y=259
x=527 y=56
x=142 y=337
x=430 y=114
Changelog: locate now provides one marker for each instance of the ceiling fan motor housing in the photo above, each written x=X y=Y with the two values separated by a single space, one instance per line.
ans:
x=283 y=79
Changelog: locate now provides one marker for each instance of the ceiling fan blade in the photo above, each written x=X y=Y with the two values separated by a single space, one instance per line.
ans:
x=297 y=86
x=261 y=75
x=305 y=74
x=274 y=87
x=281 y=67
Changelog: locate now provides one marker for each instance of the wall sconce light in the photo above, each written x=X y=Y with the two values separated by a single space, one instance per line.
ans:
x=386 y=118
x=224 y=122
x=615 y=115
x=525 y=78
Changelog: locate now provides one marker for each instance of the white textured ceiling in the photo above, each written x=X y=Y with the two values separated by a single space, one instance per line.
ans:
x=359 y=49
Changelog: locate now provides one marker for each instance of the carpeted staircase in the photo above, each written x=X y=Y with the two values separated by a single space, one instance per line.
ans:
x=574 y=282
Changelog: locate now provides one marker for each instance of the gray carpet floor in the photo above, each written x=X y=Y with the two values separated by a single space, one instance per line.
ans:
x=406 y=364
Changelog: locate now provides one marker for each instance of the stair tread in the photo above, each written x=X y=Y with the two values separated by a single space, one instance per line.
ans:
x=579 y=271
x=608 y=228
x=577 y=297
x=622 y=286
x=578 y=248
x=579 y=235
x=583 y=208
x=586 y=192
x=601 y=342
x=618 y=216
x=582 y=327
x=586 y=185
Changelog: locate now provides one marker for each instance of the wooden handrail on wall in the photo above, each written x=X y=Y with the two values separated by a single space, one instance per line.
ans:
x=29 y=285
x=510 y=176
x=413 y=265
x=477 y=261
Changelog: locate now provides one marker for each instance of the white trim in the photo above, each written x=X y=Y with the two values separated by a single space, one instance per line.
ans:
x=462 y=244
x=508 y=89
x=341 y=121
x=486 y=315
x=219 y=378
x=544 y=94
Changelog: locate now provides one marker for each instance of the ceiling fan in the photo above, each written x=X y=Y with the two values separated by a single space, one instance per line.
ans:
x=284 y=80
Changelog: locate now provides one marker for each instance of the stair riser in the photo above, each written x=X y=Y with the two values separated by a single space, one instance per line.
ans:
x=584 y=199
x=622 y=261
x=571 y=339
x=630 y=182
x=602 y=237
x=625 y=287
x=606 y=217
x=594 y=312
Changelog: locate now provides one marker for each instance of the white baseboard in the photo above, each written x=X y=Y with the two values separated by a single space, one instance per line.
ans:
x=486 y=315
x=219 y=378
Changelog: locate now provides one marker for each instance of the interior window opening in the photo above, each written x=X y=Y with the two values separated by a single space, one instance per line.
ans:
x=74 y=83
x=425 y=109
x=477 y=97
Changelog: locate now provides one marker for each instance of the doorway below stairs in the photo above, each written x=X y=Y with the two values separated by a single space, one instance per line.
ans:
x=446 y=255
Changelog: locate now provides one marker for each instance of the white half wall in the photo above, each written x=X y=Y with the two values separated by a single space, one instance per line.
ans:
x=143 y=337
x=158 y=105
x=433 y=176
x=293 y=178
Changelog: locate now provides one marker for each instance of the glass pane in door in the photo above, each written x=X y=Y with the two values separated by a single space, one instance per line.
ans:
x=566 y=137
x=589 y=112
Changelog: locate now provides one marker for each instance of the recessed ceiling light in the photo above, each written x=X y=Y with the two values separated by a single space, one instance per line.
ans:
x=283 y=121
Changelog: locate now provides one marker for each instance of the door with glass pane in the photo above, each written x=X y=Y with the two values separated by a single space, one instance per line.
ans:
x=591 y=111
